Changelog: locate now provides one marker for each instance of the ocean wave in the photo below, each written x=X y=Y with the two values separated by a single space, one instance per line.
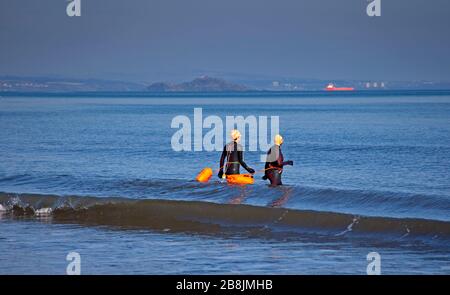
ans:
x=297 y=197
x=201 y=216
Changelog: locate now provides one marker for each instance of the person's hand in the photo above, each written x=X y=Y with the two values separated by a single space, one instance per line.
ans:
x=220 y=174
x=264 y=177
x=251 y=170
x=291 y=163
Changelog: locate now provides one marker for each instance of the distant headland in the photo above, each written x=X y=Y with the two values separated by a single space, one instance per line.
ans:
x=201 y=84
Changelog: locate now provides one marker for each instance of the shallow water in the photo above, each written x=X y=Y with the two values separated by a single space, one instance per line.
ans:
x=377 y=164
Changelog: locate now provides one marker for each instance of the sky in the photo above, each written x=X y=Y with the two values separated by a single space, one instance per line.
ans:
x=174 y=40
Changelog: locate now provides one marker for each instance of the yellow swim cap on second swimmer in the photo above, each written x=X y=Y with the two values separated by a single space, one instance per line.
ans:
x=235 y=134
x=278 y=139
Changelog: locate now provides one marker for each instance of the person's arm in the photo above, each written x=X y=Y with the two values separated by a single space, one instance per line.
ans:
x=282 y=162
x=241 y=161
x=267 y=165
x=222 y=161
x=269 y=152
x=280 y=158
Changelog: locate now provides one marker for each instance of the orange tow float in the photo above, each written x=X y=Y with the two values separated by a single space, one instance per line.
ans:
x=240 y=179
x=205 y=176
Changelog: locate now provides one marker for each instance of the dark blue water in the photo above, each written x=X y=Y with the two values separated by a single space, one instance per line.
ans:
x=381 y=161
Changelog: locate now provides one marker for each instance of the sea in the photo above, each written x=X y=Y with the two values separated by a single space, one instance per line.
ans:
x=97 y=174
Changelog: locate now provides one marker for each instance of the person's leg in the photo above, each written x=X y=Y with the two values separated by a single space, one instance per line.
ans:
x=274 y=177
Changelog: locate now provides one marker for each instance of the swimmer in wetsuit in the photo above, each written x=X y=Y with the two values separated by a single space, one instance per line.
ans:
x=275 y=162
x=233 y=153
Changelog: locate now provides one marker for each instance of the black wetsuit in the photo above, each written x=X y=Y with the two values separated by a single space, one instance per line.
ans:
x=274 y=165
x=232 y=152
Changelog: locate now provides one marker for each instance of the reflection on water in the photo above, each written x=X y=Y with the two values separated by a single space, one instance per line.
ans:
x=281 y=201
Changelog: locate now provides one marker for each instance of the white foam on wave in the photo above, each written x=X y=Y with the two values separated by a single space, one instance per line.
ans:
x=349 y=227
x=2 y=208
x=43 y=212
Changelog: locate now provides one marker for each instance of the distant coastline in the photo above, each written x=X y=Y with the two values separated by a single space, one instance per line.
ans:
x=205 y=84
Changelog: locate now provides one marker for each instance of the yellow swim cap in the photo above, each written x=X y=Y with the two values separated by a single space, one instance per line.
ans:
x=278 y=139
x=235 y=134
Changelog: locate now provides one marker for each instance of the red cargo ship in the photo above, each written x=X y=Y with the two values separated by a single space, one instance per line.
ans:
x=331 y=87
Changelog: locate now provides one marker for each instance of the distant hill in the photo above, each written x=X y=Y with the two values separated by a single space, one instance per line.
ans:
x=202 y=84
